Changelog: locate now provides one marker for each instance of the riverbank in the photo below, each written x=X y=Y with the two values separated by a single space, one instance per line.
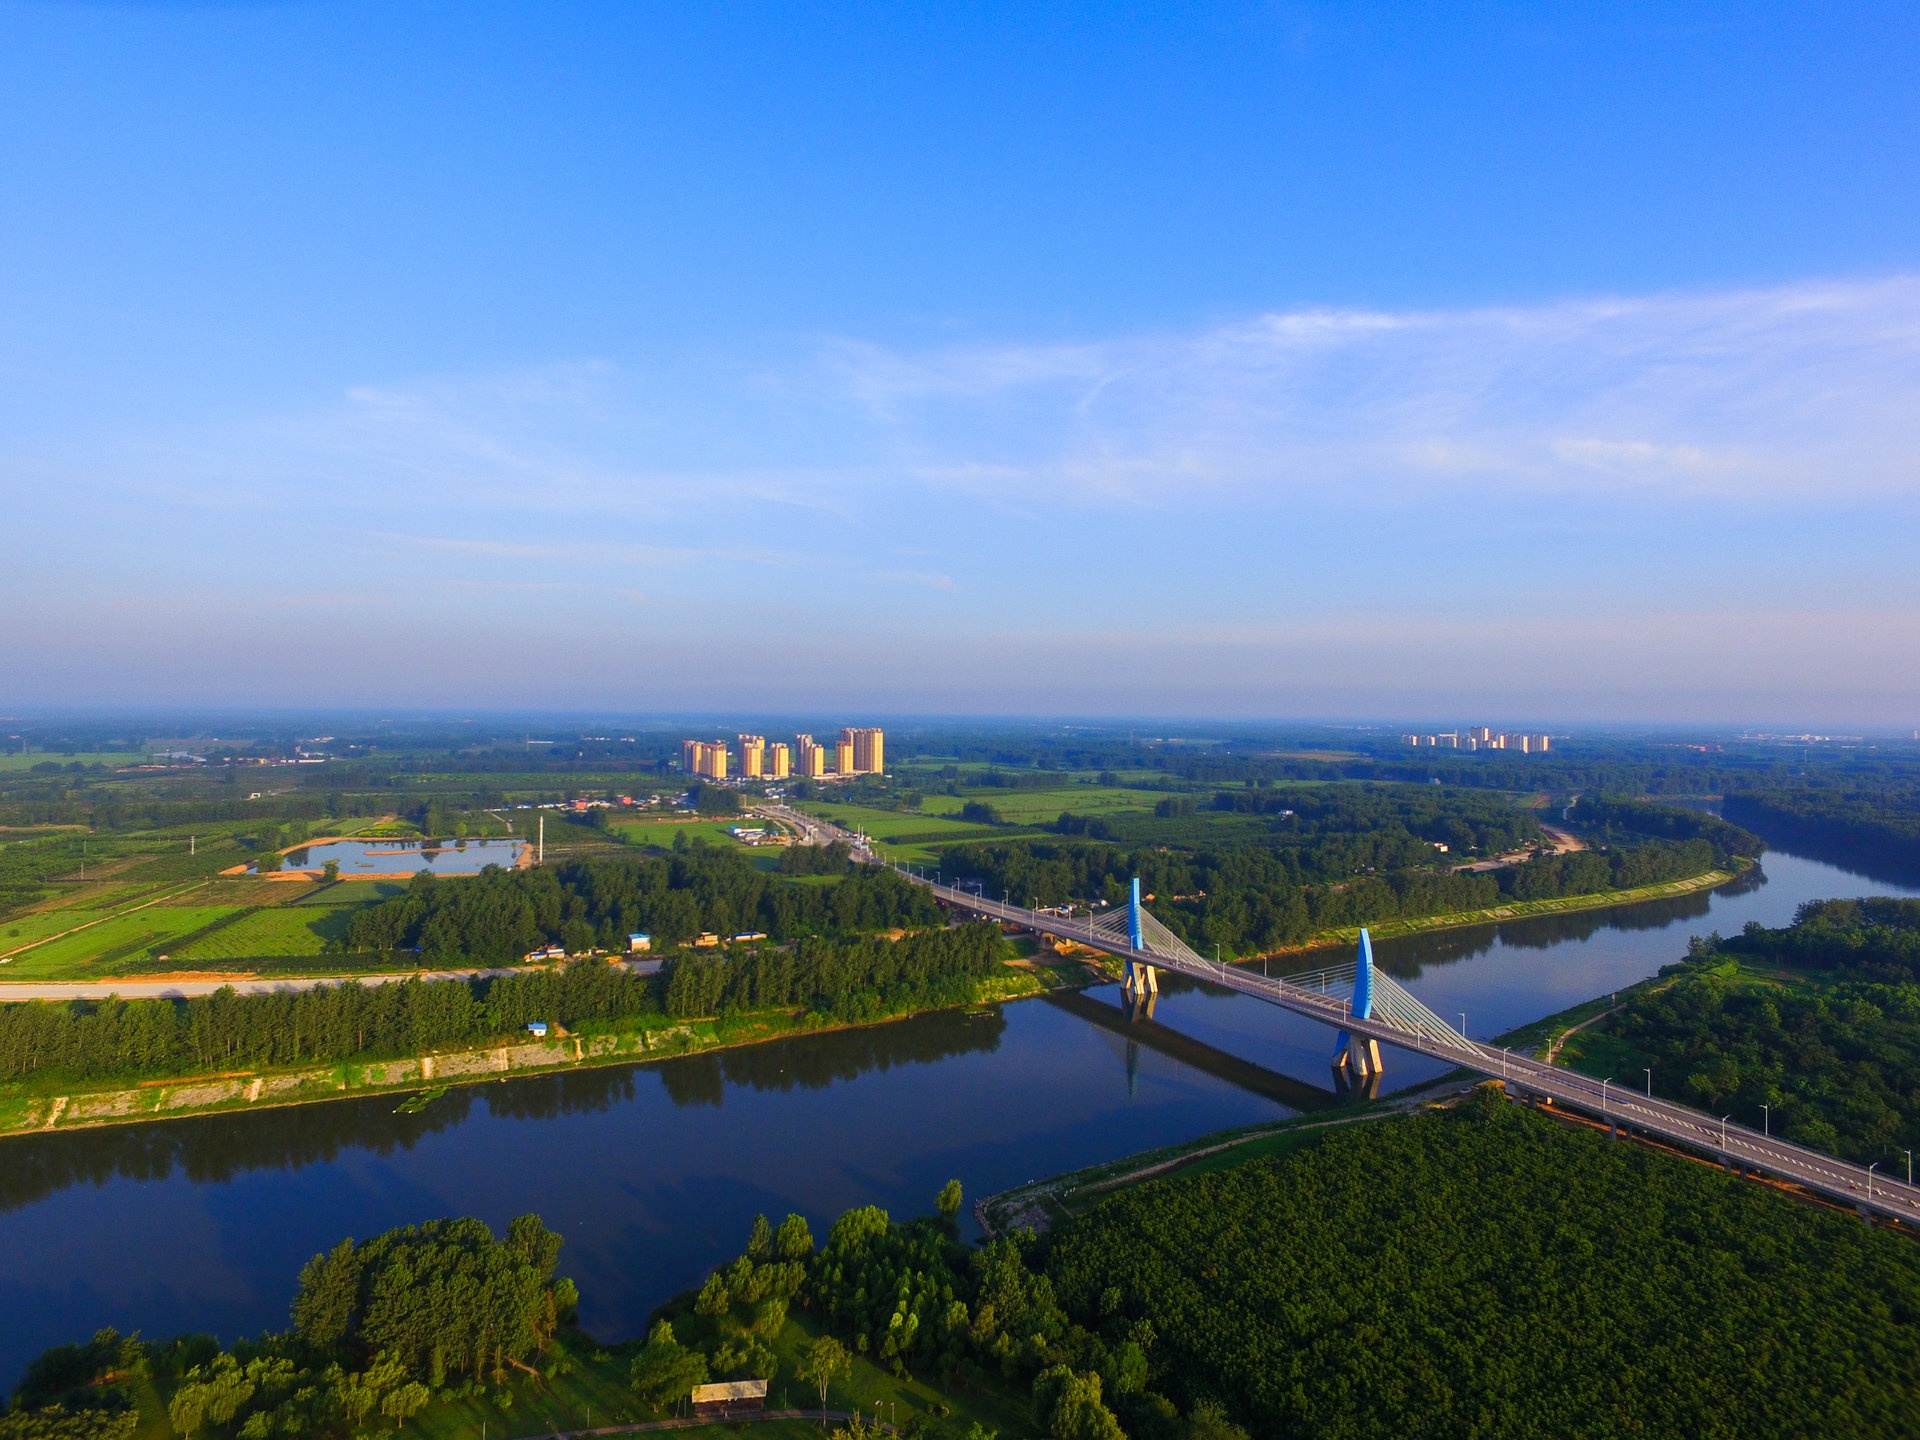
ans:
x=31 y=1109
x=1039 y=1205
x=1518 y=910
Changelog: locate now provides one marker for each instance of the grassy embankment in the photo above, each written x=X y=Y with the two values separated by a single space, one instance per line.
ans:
x=1521 y=909
x=47 y=1104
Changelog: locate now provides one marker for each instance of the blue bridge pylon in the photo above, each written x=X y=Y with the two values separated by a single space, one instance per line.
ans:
x=1360 y=1054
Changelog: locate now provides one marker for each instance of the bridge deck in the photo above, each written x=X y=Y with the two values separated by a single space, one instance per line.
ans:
x=1837 y=1179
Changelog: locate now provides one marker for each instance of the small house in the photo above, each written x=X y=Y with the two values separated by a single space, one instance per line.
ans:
x=537 y=1028
x=706 y=940
x=731 y=1398
x=639 y=942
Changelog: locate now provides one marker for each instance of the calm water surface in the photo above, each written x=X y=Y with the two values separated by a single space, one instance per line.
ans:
x=653 y=1173
x=407 y=857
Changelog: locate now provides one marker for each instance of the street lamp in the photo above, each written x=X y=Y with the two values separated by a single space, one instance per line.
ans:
x=1909 y=1167
x=1603 y=1093
x=1463 y=1024
x=1870 y=1169
x=1649 y=1084
x=1723 y=1130
x=1766 y=1120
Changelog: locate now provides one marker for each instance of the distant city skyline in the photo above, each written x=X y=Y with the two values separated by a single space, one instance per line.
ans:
x=1257 y=362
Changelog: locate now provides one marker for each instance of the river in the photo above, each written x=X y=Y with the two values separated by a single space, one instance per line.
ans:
x=654 y=1173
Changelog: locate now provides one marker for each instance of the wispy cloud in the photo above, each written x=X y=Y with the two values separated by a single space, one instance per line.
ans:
x=1801 y=392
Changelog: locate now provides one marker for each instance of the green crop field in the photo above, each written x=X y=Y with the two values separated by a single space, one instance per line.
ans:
x=887 y=824
x=25 y=929
x=127 y=936
x=1030 y=807
x=351 y=893
x=17 y=762
x=287 y=931
x=661 y=832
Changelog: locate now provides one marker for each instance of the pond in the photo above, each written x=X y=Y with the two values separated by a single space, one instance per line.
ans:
x=654 y=1173
x=363 y=859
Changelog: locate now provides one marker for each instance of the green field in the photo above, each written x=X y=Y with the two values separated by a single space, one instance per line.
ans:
x=25 y=929
x=661 y=832
x=130 y=935
x=1031 y=807
x=283 y=931
x=351 y=892
x=17 y=762
x=893 y=824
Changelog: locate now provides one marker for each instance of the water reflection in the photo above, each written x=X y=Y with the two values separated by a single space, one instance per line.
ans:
x=215 y=1149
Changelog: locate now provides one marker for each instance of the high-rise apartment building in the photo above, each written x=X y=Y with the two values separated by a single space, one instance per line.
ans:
x=779 y=761
x=869 y=750
x=812 y=757
x=705 y=759
x=753 y=751
x=843 y=757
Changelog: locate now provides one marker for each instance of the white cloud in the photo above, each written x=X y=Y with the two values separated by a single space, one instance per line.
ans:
x=1800 y=393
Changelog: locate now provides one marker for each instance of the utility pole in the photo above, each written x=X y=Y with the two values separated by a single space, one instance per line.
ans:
x=541 y=857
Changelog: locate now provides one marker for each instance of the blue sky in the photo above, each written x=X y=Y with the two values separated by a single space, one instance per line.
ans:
x=1536 y=362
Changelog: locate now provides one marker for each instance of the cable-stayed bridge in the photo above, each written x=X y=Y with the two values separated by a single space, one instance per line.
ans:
x=1368 y=1009
x=1397 y=1018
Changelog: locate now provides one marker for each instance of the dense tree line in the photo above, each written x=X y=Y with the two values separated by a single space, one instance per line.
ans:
x=1333 y=831
x=910 y=1297
x=123 y=1039
x=1250 y=898
x=1880 y=823
x=378 y=1329
x=1613 y=819
x=849 y=980
x=1490 y=1273
x=443 y=1298
x=500 y=915
x=1834 y=1058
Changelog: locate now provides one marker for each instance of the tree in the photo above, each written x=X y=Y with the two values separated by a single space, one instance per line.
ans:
x=404 y=1403
x=823 y=1361
x=1210 y=1422
x=1080 y=1414
x=665 y=1370
x=330 y=872
x=948 y=1200
x=793 y=1240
